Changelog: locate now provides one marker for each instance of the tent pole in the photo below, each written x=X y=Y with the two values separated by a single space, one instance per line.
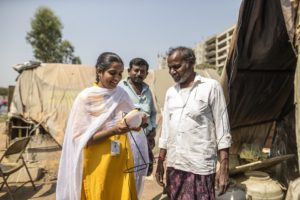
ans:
x=297 y=80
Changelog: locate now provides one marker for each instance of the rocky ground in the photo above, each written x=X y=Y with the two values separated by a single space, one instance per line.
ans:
x=43 y=164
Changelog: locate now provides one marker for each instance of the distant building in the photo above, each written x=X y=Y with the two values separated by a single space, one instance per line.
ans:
x=199 y=50
x=223 y=41
x=162 y=61
x=212 y=52
x=216 y=48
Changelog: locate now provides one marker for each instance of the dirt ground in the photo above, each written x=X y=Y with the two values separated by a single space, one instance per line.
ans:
x=46 y=191
x=46 y=160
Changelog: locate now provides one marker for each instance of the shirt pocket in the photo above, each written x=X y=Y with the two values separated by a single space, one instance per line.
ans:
x=198 y=110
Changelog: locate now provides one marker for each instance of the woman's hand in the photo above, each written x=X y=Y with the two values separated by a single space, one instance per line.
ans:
x=120 y=128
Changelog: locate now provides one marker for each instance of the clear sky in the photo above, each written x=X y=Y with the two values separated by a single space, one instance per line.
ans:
x=130 y=28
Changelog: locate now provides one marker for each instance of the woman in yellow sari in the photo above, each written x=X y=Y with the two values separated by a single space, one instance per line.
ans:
x=96 y=150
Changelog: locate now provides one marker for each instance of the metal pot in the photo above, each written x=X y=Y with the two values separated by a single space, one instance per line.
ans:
x=232 y=193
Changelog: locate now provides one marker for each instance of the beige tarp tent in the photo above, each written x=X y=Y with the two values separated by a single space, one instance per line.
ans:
x=44 y=93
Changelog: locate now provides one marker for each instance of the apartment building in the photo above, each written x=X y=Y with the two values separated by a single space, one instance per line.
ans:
x=216 y=48
x=199 y=50
x=162 y=61
x=223 y=41
x=212 y=51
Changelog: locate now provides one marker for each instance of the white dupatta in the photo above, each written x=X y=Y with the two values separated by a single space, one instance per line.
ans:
x=92 y=108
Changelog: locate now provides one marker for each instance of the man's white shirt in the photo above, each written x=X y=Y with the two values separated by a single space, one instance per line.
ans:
x=195 y=126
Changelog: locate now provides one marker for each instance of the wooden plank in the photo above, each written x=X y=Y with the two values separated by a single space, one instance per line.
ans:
x=260 y=164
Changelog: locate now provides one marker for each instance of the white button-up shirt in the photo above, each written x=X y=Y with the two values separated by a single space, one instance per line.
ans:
x=195 y=126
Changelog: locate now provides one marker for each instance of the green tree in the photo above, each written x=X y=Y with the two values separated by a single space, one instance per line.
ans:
x=67 y=50
x=45 y=38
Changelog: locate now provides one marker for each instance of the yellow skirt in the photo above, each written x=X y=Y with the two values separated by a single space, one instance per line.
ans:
x=103 y=174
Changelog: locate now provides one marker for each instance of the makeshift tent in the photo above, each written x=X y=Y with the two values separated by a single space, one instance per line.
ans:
x=44 y=93
x=258 y=80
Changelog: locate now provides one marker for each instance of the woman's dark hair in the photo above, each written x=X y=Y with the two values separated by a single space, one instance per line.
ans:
x=187 y=54
x=138 y=62
x=105 y=60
